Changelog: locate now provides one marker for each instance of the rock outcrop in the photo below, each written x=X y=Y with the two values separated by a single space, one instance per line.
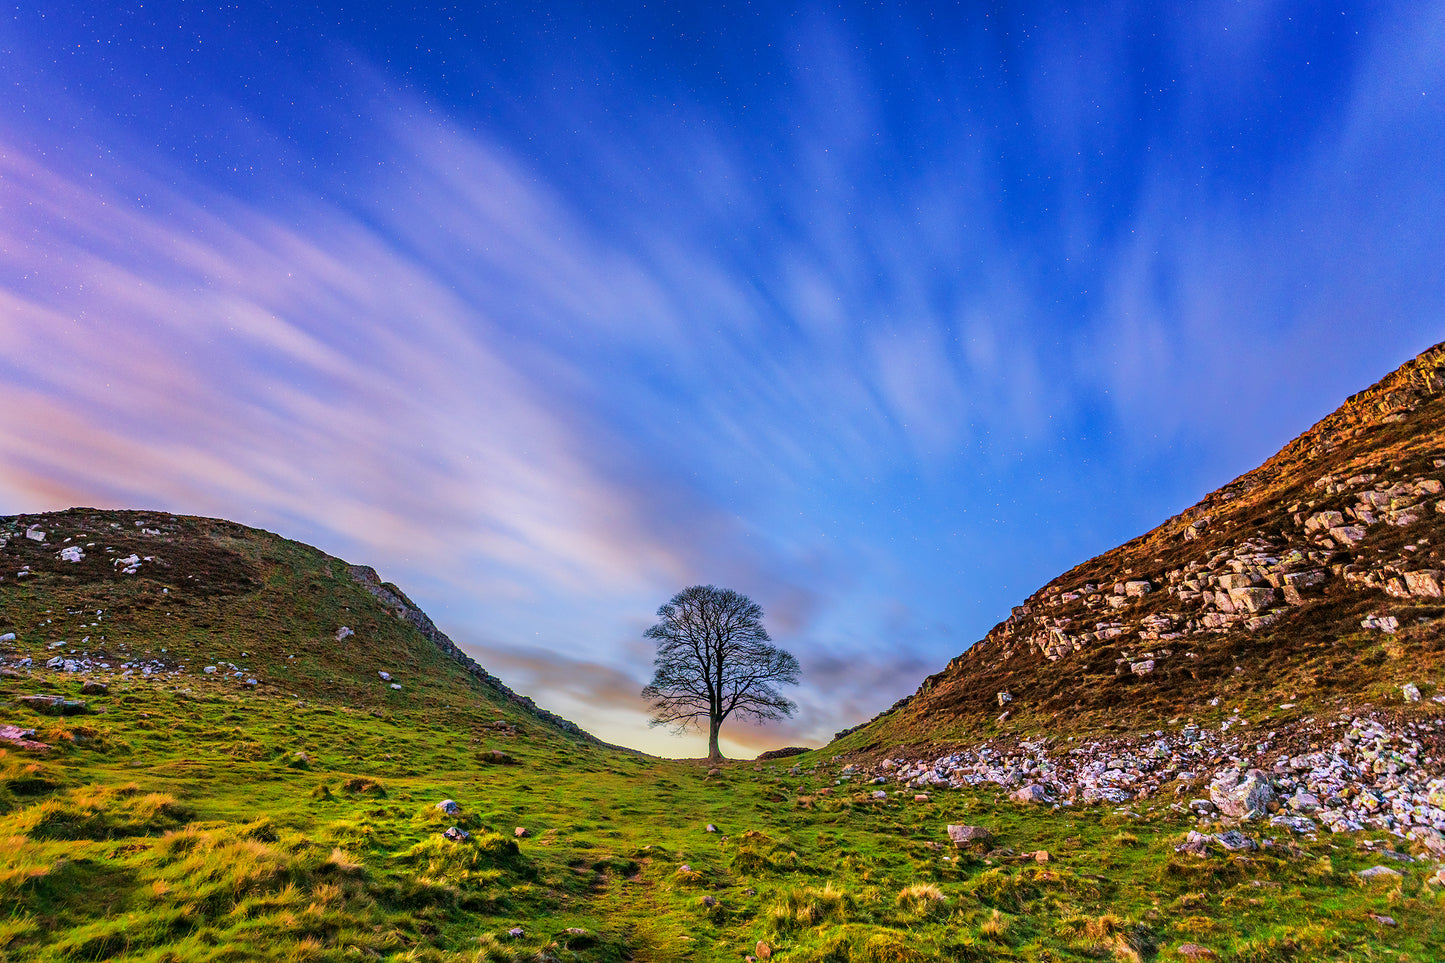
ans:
x=1338 y=535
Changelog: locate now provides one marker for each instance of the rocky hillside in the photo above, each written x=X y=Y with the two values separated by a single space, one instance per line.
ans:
x=1315 y=577
x=198 y=603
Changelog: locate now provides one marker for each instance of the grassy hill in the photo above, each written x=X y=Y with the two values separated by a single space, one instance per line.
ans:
x=285 y=805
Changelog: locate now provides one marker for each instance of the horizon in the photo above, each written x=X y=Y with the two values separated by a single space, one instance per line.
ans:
x=883 y=319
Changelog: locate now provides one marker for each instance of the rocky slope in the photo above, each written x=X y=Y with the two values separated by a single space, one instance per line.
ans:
x=1319 y=572
x=1276 y=651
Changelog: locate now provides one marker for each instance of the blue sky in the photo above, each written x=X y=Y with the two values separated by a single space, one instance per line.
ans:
x=881 y=314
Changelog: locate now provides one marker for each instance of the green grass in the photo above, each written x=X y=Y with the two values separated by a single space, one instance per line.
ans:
x=181 y=850
x=188 y=819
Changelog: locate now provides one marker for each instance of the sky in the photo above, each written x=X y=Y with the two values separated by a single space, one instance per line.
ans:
x=881 y=314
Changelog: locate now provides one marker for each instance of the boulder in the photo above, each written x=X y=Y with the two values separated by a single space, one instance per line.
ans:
x=22 y=739
x=1348 y=535
x=1235 y=841
x=449 y=806
x=968 y=835
x=52 y=705
x=1424 y=584
x=1298 y=824
x=1381 y=623
x=94 y=687
x=1248 y=798
x=1251 y=599
x=1032 y=793
x=1304 y=802
x=521 y=832
x=1410 y=692
x=1379 y=873
x=1430 y=840
x=457 y=835
x=1195 y=843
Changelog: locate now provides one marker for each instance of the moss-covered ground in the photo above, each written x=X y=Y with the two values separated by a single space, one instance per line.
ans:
x=187 y=816
x=221 y=826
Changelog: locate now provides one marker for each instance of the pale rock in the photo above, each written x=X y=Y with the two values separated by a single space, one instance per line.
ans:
x=1142 y=668
x=1410 y=692
x=344 y=633
x=1004 y=698
x=72 y=553
x=1248 y=798
x=1251 y=599
x=1348 y=535
x=449 y=806
x=1304 y=802
x=1032 y=793
x=1424 y=583
x=35 y=534
x=1235 y=841
x=1138 y=589
x=1382 y=623
x=1324 y=521
x=966 y=835
x=1379 y=872
x=1299 y=824
x=1306 y=579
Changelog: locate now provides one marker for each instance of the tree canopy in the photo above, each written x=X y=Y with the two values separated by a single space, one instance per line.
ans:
x=715 y=660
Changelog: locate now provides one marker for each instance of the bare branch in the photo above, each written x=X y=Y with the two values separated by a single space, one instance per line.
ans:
x=714 y=659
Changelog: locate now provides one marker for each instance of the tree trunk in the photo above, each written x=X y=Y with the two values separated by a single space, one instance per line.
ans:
x=714 y=754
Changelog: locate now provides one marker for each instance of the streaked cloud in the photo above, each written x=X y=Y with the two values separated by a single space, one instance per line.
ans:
x=883 y=353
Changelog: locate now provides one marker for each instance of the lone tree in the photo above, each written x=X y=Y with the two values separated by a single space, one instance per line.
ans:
x=714 y=658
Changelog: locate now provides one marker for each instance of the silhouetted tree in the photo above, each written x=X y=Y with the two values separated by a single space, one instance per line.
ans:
x=714 y=659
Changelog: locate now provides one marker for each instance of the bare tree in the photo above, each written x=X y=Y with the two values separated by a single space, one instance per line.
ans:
x=714 y=659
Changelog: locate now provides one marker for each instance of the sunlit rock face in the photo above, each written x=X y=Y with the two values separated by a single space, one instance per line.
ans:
x=1336 y=539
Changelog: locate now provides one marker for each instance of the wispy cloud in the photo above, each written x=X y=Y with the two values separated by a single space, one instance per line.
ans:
x=884 y=356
